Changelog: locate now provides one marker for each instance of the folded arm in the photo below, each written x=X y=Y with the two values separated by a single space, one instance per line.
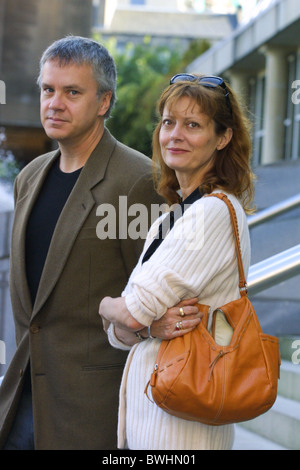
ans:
x=164 y=328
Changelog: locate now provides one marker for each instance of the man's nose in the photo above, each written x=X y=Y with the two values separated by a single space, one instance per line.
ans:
x=56 y=101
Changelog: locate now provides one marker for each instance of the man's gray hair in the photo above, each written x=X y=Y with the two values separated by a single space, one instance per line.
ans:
x=79 y=50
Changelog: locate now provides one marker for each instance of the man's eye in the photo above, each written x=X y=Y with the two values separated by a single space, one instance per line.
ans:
x=73 y=92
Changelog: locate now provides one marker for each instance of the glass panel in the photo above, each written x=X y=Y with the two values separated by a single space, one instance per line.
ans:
x=290 y=107
x=296 y=117
x=257 y=109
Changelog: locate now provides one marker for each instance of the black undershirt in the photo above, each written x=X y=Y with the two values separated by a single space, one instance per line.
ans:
x=42 y=221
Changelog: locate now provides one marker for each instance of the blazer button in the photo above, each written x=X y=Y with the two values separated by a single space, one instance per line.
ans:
x=34 y=329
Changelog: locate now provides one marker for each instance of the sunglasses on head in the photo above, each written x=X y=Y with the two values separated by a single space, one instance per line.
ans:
x=209 y=82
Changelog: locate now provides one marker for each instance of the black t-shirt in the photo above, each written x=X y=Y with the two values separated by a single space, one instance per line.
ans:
x=42 y=221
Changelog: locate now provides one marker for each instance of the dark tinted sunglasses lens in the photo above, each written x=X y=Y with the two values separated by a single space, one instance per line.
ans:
x=182 y=77
x=211 y=81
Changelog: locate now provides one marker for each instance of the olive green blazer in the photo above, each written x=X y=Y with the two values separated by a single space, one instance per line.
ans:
x=75 y=372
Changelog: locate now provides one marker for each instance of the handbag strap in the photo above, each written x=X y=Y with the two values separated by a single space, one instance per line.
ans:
x=242 y=279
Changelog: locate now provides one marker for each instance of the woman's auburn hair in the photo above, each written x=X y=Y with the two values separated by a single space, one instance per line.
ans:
x=231 y=169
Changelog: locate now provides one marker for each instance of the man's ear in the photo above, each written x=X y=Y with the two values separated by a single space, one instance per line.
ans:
x=225 y=138
x=104 y=103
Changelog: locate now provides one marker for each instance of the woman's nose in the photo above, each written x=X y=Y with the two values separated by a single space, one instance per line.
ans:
x=177 y=132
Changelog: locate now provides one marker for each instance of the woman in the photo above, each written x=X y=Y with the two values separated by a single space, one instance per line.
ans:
x=201 y=145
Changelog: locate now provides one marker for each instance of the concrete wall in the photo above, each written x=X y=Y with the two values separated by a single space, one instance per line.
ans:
x=172 y=24
x=27 y=27
x=257 y=56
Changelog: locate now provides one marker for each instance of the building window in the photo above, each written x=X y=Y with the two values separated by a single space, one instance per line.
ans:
x=296 y=129
x=292 y=121
x=257 y=101
x=289 y=120
x=138 y=2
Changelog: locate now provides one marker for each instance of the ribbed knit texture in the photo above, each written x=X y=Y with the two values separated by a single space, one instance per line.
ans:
x=175 y=272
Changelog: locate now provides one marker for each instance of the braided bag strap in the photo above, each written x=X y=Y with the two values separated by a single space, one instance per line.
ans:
x=242 y=279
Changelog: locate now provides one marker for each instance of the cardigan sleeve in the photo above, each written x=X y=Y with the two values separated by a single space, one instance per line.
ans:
x=199 y=248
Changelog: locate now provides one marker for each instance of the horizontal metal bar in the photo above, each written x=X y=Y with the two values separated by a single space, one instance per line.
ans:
x=274 y=270
x=273 y=211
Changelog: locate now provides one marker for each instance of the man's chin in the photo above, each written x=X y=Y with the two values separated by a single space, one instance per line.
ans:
x=55 y=134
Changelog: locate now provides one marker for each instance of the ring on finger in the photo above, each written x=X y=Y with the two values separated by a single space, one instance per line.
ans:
x=179 y=325
x=181 y=312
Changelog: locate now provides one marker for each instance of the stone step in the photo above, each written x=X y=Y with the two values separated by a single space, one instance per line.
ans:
x=279 y=428
x=247 y=440
x=289 y=383
x=281 y=424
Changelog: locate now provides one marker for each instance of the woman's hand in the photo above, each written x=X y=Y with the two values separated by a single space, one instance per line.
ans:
x=177 y=321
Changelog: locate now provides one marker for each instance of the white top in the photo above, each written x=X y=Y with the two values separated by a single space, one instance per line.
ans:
x=196 y=259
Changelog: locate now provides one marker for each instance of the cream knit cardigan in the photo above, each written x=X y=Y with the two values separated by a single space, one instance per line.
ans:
x=196 y=259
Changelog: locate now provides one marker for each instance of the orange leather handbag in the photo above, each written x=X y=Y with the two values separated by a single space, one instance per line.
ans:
x=197 y=379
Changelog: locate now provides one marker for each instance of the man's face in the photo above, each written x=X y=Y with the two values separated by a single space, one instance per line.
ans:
x=70 y=108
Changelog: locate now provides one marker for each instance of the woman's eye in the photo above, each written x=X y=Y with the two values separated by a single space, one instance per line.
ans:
x=193 y=125
x=167 y=122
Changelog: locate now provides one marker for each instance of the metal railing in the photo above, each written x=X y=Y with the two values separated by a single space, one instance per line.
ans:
x=280 y=267
x=273 y=270
x=273 y=211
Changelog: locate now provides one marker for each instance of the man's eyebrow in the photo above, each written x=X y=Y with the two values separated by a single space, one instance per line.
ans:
x=45 y=85
x=74 y=86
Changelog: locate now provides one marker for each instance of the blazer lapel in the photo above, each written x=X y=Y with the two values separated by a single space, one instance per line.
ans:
x=72 y=218
x=22 y=212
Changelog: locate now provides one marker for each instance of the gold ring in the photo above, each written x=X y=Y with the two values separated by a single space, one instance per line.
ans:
x=179 y=325
x=181 y=312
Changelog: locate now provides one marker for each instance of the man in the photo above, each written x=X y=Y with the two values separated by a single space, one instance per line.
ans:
x=61 y=388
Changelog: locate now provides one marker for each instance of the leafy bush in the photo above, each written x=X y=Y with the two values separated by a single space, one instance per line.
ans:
x=143 y=72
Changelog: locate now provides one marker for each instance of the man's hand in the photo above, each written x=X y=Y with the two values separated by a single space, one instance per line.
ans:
x=114 y=310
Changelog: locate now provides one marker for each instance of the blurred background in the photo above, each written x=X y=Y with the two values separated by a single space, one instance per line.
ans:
x=249 y=42
x=255 y=45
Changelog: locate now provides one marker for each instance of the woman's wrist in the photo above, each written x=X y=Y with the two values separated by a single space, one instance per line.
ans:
x=145 y=333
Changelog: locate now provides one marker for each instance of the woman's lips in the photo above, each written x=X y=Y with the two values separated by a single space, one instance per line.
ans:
x=176 y=150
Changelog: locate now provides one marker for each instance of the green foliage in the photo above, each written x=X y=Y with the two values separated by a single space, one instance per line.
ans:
x=9 y=167
x=143 y=73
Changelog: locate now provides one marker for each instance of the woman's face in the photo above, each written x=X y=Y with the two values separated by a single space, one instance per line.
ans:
x=188 y=141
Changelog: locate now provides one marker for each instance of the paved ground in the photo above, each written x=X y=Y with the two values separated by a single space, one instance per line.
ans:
x=278 y=308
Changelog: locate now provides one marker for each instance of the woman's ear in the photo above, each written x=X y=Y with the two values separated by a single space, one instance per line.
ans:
x=225 y=138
